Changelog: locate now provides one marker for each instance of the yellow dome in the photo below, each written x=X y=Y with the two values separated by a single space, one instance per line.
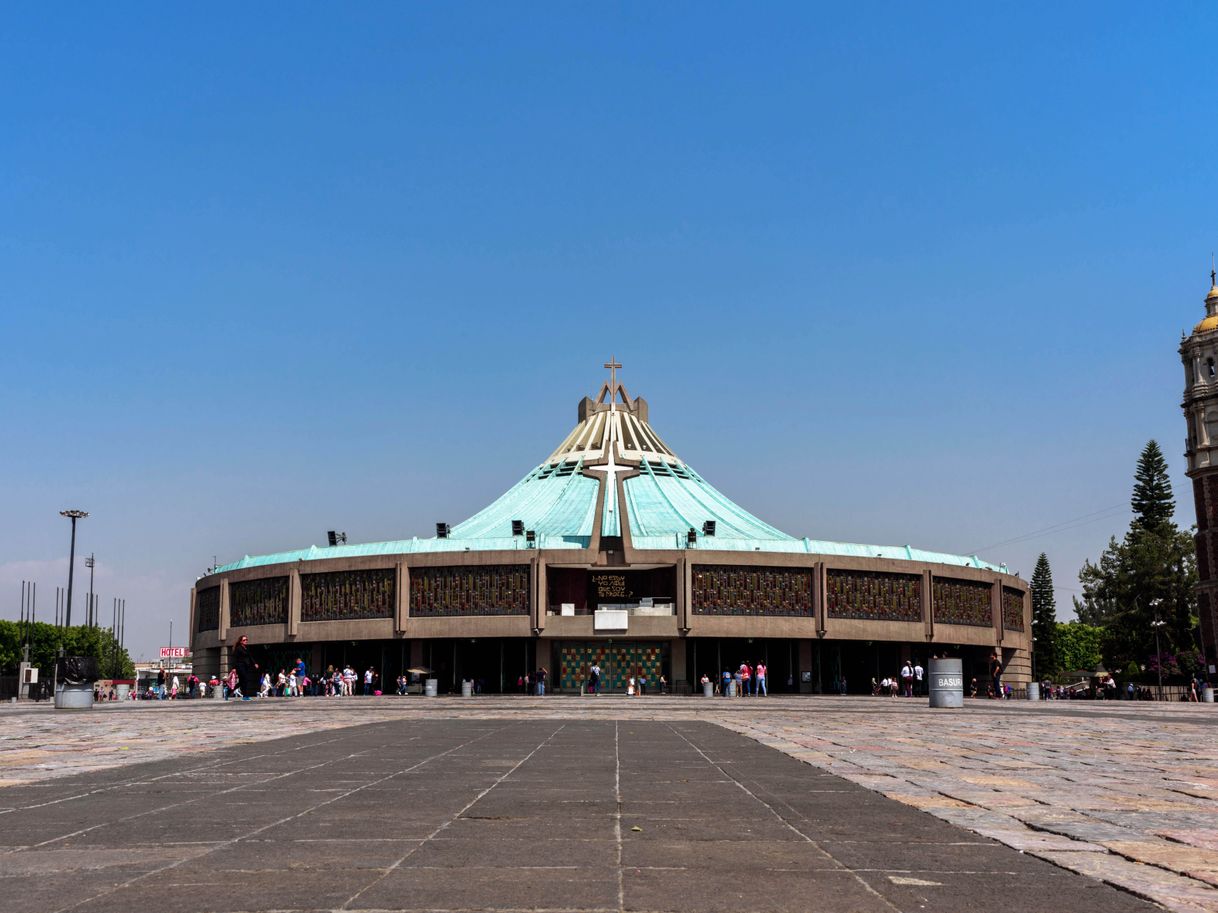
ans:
x=1209 y=323
x=1213 y=293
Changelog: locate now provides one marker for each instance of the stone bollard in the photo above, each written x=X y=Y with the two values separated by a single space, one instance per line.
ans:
x=946 y=683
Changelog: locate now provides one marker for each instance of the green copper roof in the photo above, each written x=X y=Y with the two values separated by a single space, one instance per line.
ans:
x=662 y=499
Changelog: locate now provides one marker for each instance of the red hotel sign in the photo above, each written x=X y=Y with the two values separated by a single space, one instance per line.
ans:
x=173 y=652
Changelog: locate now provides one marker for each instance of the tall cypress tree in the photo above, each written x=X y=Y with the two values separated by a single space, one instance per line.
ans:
x=1147 y=577
x=1044 y=619
x=1152 y=501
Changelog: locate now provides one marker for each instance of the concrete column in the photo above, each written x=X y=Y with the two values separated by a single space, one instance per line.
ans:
x=679 y=666
x=540 y=586
x=928 y=610
x=222 y=631
x=805 y=665
x=684 y=593
x=294 y=601
x=190 y=631
x=401 y=614
x=820 y=599
x=996 y=607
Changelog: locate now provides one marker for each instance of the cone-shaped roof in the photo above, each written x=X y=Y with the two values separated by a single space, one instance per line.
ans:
x=614 y=477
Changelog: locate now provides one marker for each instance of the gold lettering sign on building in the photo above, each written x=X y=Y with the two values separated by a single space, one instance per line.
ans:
x=611 y=588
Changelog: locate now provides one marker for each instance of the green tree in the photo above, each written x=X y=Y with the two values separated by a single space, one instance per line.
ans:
x=1148 y=575
x=1079 y=646
x=46 y=640
x=1152 y=502
x=1044 y=618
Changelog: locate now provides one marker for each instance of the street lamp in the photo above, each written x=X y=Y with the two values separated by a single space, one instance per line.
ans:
x=1157 y=624
x=72 y=515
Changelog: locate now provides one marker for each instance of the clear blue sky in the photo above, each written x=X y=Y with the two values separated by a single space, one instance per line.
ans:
x=887 y=273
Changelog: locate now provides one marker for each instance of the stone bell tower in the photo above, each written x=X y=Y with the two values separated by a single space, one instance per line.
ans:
x=1199 y=352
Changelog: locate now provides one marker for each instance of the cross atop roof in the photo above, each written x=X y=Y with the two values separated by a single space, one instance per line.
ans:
x=612 y=364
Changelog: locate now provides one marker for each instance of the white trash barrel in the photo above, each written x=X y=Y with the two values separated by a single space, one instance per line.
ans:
x=122 y=692
x=74 y=697
x=1034 y=691
x=708 y=690
x=431 y=687
x=731 y=688
x=467 y=688
x=946 y=683
x=1207 y=695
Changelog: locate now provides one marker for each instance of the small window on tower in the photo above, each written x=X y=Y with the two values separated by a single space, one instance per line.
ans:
x=1209 y=366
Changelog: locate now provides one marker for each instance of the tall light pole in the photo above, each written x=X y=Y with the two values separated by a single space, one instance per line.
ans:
x=1156 y=625
x=72 y=515
x=89 y=564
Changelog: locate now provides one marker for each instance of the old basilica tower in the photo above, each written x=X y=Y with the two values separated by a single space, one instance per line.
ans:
x=1199 y=353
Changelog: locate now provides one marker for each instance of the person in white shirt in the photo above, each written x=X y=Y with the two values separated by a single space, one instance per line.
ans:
x=919 y=672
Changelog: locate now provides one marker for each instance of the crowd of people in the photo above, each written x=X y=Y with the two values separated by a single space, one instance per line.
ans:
x=745 y=681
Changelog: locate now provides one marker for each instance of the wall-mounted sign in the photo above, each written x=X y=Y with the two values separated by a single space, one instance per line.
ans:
x=610 y=588
x=610 y=620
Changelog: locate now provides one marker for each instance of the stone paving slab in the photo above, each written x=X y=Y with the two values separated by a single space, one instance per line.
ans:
x=506 y=815
x=1131 y=785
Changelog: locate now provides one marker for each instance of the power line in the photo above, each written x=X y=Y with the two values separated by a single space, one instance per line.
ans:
x=1093 y=517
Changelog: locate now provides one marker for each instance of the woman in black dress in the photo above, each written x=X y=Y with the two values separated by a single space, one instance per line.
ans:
x=247 y=669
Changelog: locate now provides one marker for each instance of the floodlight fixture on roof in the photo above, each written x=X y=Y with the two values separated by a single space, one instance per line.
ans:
x=442 y=530
x=517 y=527
x=691 y=537
x=335 y=538
x=708 y=528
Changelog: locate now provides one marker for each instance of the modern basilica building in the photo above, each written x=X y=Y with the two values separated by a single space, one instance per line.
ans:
x=614 y=550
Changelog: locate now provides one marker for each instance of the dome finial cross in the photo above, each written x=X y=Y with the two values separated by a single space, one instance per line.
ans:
x=612 y=364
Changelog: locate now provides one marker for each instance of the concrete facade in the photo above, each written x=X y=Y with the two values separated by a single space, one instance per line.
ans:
x=613 y=501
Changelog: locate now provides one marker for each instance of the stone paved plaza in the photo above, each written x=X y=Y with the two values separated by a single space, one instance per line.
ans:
x=610 y=804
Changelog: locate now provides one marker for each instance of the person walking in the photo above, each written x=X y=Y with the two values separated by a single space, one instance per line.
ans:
x=595 y=682
x=368 y=682
x=919 y=674
x=760 y=674
x=995 y=675
x=247 y=670
x=540 y=677
x=907 y=679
